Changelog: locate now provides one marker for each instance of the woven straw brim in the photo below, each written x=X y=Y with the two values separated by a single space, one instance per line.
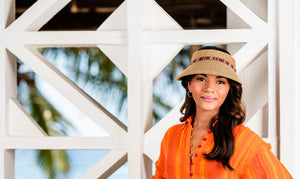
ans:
x=211 y=67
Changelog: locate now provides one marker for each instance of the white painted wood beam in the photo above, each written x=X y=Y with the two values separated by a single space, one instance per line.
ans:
x=37 y=15
x=245 y=13
x=8 y=66
x=159 y=56
x=296 y=154
x=70 y=90
x=67 y=143
x=248 y=53
x=63 y=38
x=117 y=52
x=154 y=136
x=137 y=78
x=194 y=37
x=93 y=38
x=107 y=165
x=258 y=121
x=7 y=13
x=7 y=163
x=273 y=71
x=8 y=89
x=287 y=83
x=117 y=20
x=8 y=86
x=156 y=18
x=21 y=123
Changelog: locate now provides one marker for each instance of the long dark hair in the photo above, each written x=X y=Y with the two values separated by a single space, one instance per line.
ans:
x=231 y=114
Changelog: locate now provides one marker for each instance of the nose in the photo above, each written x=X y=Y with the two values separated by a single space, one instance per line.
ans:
x=209 y=87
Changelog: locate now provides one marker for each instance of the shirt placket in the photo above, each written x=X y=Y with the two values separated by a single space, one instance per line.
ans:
x=198 y=156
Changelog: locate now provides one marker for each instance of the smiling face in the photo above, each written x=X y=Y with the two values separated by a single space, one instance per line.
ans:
x=209 y=92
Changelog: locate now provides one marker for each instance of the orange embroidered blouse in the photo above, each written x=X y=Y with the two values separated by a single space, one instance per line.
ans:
x=252 y=157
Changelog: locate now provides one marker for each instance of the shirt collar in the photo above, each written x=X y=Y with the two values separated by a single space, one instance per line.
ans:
x=188 y=121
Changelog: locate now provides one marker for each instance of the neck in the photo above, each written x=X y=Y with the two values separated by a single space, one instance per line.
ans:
x=202 y=119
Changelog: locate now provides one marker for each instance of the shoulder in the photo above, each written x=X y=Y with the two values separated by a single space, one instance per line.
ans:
x=253 y=154
x=245 y=136
x=175 y=129
x=247 y=144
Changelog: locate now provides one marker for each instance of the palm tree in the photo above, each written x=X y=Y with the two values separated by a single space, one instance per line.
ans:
x=91 y=70
x=56 y=161
x=106 y=79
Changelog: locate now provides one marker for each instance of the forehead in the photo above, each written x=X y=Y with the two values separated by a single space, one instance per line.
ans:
x=209 y=76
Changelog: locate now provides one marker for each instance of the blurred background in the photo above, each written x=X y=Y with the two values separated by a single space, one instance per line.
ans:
x=94 y=73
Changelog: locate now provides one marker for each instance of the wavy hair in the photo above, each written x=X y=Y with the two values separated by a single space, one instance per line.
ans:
x=231 y=114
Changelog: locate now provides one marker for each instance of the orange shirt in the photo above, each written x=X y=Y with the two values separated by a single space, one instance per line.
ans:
x=252 y=157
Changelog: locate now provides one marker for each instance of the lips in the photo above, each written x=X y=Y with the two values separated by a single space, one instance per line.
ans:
x=209 y=99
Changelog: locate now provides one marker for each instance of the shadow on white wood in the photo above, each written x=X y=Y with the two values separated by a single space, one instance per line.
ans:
x=21 y=123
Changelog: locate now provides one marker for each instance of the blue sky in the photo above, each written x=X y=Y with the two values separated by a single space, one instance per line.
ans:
x=81 y=162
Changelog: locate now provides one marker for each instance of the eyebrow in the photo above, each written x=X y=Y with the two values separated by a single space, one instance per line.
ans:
x=220 y=77
x=216 y=77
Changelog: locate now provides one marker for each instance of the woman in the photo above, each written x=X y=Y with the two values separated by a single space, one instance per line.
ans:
x=212 y=142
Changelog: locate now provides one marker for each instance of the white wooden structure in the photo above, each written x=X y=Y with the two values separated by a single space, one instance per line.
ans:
x=141 y=39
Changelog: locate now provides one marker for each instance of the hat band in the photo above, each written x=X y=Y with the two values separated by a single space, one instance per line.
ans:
x=213 y=58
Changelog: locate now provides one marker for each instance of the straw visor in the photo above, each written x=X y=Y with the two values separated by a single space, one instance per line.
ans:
x=213 y=62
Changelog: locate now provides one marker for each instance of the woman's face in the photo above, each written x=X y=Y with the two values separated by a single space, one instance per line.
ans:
x=209 y=91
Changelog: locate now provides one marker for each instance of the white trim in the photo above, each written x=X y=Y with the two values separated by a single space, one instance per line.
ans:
x=154 y=136
x=196 y=37
x=287 y=82
x=8 y=89
x=273 y=85
x=7 y=163
x=137 y=97
x=248 y=53
x=245 y=13
x=67 y=143
x=107 y=165
x=296 y=155
x=64 y=38
x=21 y=123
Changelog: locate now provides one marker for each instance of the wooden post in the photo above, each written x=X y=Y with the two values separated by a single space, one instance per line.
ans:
x=139 y=93
x=288 y=51
x=8 y=89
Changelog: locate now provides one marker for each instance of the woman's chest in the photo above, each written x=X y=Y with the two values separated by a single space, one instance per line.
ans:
x=179 y=163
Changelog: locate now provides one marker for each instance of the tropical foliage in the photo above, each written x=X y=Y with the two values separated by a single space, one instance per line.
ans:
x=51 y=121
x=92 y=71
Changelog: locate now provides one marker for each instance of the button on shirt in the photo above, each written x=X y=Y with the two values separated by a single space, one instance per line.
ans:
x=252 y=157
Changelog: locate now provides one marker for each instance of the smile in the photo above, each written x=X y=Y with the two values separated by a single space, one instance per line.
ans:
x=209 y=99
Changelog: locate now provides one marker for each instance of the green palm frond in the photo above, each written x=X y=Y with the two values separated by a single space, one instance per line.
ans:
x=87 y=67
x=54 y=162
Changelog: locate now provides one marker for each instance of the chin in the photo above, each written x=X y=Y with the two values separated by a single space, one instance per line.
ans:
x=209 y=108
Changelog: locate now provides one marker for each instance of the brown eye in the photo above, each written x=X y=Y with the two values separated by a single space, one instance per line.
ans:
x=201 y=79
x=220 y=82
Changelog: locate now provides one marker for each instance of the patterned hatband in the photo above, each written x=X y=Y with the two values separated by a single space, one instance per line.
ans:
x=214 y=58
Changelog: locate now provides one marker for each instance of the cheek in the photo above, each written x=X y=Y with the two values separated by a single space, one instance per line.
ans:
x=224 y=93
x=193 y=88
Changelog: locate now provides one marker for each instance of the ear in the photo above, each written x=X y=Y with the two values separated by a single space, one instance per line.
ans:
x=189 y=86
